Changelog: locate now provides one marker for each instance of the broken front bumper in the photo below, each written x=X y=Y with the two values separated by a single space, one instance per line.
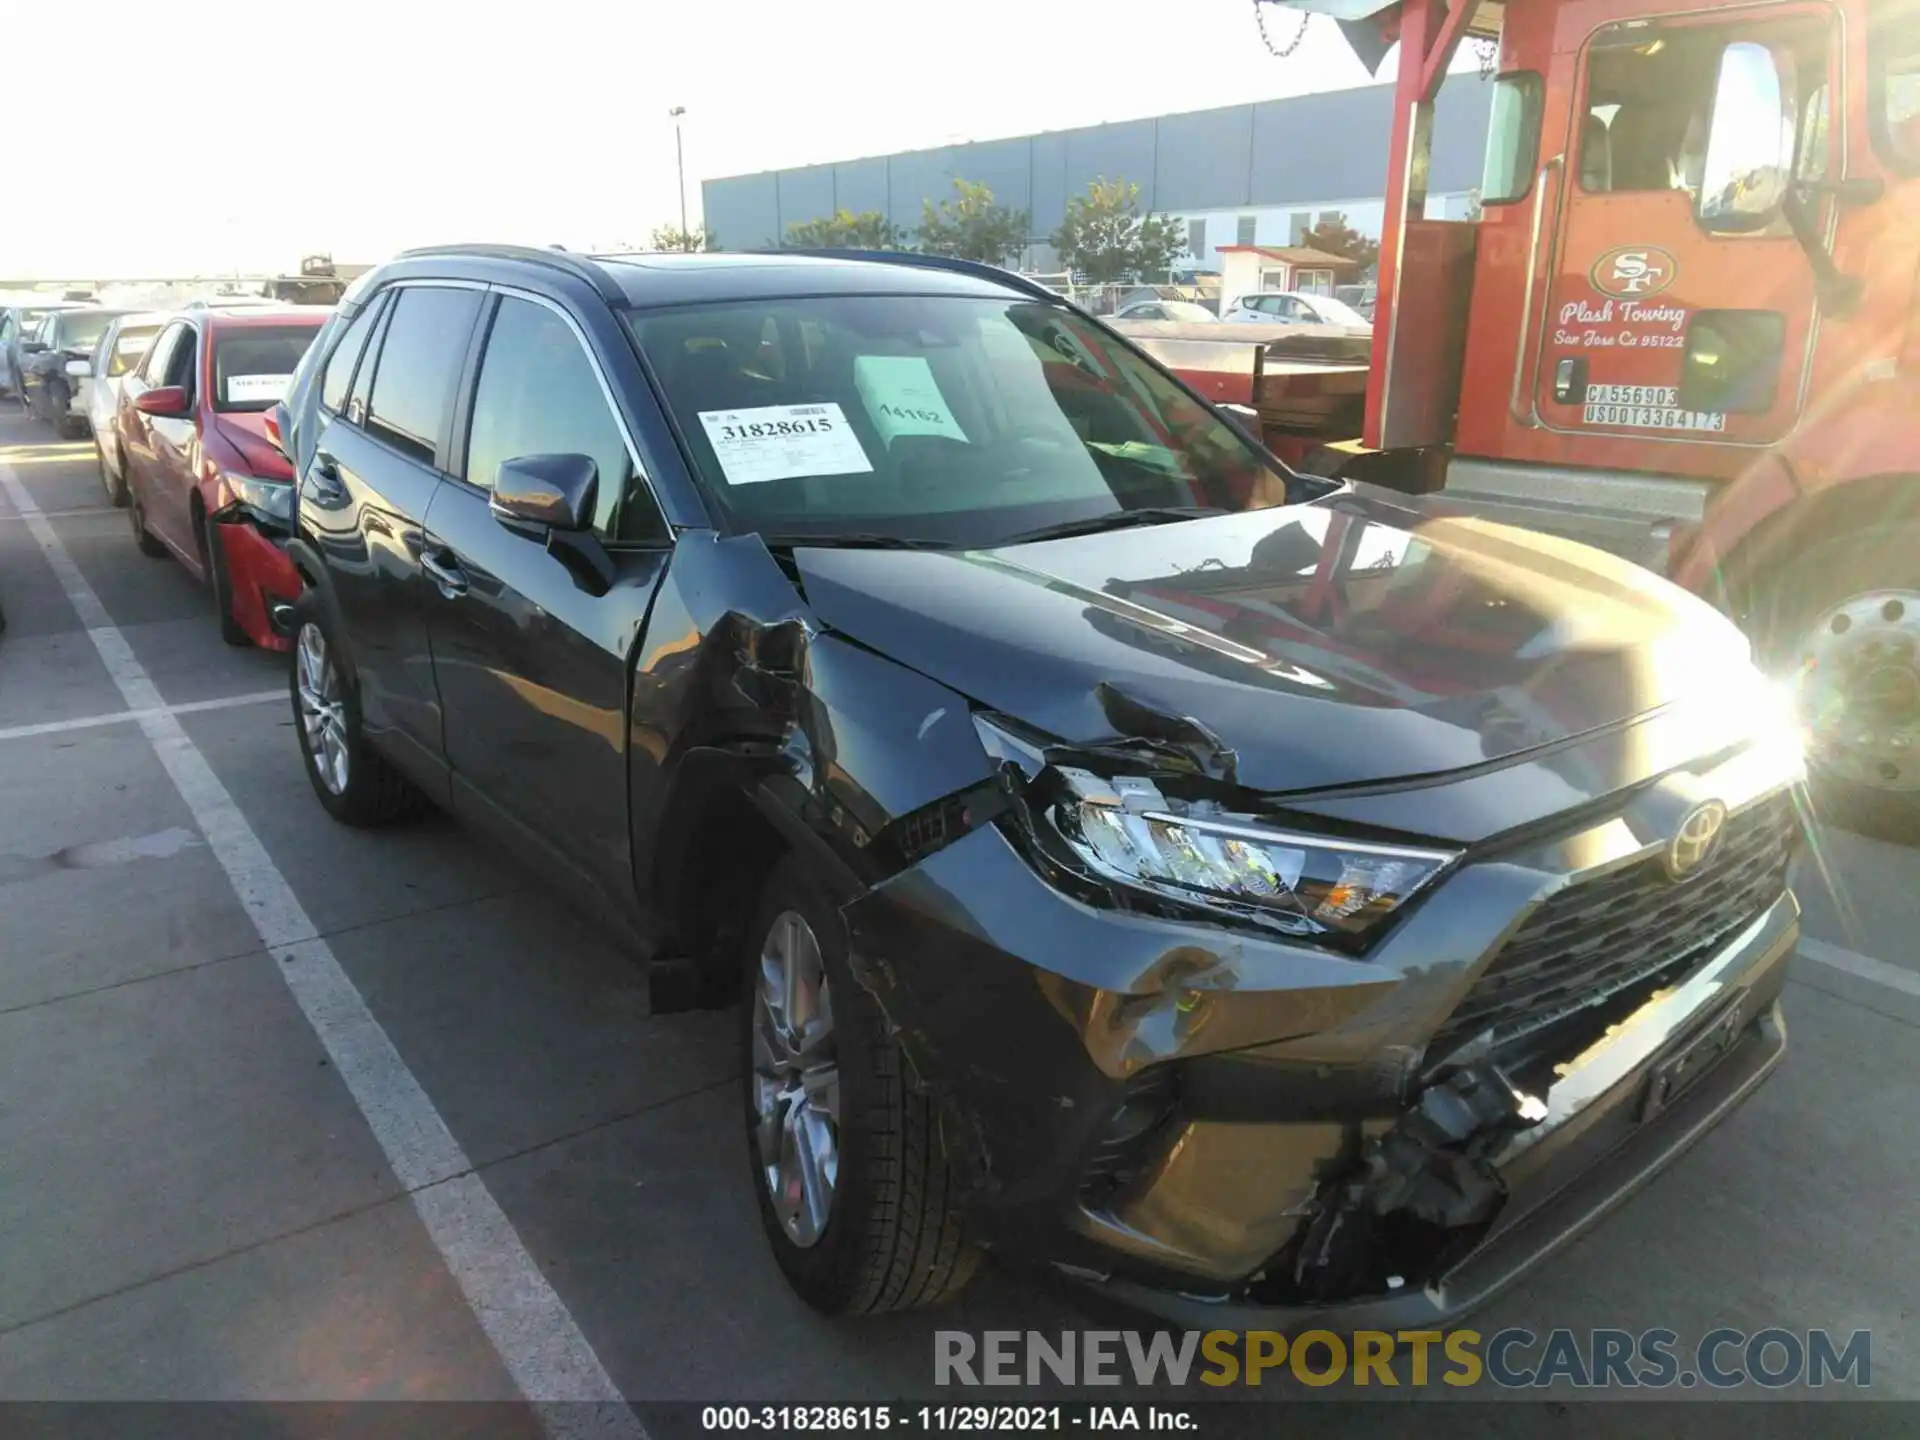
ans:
x=1165 y=1106
x=1613 y=1124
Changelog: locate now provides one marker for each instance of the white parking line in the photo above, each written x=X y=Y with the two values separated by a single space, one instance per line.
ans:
x=1861 y=967
x=530 y=1327
x=88 y=722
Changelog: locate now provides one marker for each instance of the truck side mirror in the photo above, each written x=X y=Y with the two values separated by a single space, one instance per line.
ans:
x=1750 y=142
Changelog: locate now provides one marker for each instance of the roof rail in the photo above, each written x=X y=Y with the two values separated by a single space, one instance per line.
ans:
x=977 y=268
x=580 y=267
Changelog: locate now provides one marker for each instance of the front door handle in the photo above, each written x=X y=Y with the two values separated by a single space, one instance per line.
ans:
x=446 y=573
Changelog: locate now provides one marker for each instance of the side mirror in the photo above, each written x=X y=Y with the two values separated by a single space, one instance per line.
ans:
x=79 y=369
x=556 y=491
x=162 y=402
x=1750 y=143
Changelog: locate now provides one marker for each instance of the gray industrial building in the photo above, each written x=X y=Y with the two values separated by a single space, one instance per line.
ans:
x=1241 y=175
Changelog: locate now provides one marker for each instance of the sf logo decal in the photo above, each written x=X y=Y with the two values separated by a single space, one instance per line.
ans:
x=1633 y=272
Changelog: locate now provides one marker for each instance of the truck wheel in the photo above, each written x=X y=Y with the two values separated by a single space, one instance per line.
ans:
x=1841 y=621
x=856 y=1193
x=356 y=784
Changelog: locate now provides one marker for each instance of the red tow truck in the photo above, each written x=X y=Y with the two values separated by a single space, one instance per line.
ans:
x=1685 y=328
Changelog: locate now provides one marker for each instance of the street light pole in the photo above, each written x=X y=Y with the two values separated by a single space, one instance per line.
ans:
x=680 y=164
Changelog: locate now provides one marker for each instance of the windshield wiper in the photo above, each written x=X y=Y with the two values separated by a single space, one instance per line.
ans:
x=853 y=541
x=1112 y=520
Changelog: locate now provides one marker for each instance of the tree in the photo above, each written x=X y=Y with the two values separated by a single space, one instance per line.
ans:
x=1333 y=236
x=969 y=226
x=843 y=230
x=672 y=237
x=1105 y=236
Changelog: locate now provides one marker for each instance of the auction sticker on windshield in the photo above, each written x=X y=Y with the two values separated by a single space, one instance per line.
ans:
x=244 y=388
x=1646 y=407
x=784 y=442
x=903 y=397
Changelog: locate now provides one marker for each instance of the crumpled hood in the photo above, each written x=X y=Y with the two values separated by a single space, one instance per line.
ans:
x=1361 y=638
x=246 y=432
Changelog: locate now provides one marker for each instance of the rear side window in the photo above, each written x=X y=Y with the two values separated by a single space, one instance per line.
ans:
x=339 y=373
x=411 y=402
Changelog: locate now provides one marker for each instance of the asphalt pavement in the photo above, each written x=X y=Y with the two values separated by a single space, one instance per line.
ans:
x=524 y=1182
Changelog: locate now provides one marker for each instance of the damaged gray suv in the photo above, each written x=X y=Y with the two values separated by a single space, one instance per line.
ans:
x=1260 y=897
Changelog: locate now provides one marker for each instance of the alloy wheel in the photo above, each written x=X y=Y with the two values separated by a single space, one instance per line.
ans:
x=796 y=1080
x=1860 y=690
x=323 y=713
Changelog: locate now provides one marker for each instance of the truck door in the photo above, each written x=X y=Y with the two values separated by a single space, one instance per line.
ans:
x=1671 y=314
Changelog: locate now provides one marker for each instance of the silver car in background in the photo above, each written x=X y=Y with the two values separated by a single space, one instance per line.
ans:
x=122 y=346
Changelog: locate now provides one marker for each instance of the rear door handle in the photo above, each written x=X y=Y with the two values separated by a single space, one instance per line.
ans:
x=446 y=572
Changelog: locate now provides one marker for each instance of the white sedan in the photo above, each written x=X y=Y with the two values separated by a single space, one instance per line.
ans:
x=122 y=344
x=1288 y=307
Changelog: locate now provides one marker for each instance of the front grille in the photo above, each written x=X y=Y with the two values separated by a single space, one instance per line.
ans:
x=1596 y=938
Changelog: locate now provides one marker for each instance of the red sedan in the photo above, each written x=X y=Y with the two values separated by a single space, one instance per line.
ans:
x=206 y=483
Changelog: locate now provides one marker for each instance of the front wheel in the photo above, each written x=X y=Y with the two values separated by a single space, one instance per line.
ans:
x=857 y=1194
x=1841 y=623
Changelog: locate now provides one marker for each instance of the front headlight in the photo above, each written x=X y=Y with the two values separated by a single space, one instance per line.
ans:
x=1125 y=830
x=273 y=499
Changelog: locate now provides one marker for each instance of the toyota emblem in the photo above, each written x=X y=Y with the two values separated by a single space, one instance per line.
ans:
x=1696 y=839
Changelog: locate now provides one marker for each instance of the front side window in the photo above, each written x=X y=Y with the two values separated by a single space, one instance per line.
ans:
x=961 y=421
x=1513 y=138
x=154 y=369
x=252 y=365
x=411 y=402
x=539 y=394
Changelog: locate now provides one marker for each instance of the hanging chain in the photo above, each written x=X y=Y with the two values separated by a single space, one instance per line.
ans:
x=1279 y=52
x=1488 y=50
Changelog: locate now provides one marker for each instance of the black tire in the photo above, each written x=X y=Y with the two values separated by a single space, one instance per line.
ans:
x=143 y=537
x=53 y=399
x=1784 y=615
x=374 y=792
x=113 y=479
x=896 y=1234
x=72 y=427
x=213 y=555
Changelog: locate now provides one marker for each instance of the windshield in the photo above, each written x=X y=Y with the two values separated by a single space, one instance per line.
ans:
x=1337 y=312
x=251 y=366
x=956 y=420
x=78 y=329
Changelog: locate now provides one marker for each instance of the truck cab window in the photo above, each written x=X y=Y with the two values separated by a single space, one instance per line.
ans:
x=1650 y=101
x=1895 y=51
